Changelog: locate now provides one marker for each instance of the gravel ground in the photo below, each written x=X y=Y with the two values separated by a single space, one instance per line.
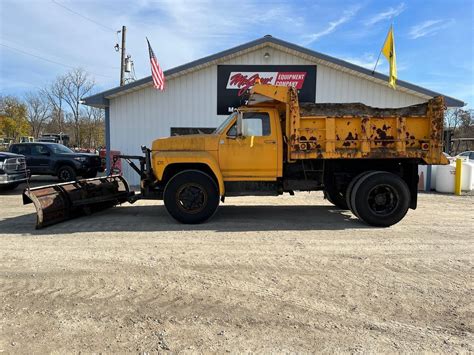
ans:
x=270 y=274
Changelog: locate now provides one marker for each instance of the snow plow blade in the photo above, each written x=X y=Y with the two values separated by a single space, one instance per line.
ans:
x=60 y=202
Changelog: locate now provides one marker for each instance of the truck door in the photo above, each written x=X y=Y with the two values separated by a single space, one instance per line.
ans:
x=39 y=159
x=254 y=155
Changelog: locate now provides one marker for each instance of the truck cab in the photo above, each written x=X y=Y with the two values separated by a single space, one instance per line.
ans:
x=250 y=146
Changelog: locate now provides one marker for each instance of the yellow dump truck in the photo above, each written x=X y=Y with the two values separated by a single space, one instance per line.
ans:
x=364 y=159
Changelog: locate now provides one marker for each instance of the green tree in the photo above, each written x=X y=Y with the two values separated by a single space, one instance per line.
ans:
x=13 y=122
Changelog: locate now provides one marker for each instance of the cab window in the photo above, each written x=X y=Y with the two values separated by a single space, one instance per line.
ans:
x=256 y=124
x=232 y=130
x=253 y=124
x=38 y=149
x=21 y=149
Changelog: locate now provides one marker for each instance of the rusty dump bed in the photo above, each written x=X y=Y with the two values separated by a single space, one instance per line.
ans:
x=356 y=131
x=60 y=202
x=345 y=131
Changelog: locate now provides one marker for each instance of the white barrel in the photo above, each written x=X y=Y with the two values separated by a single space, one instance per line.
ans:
x=467 y=176
x=445 y=175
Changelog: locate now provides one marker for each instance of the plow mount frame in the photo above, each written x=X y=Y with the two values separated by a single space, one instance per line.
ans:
x=149 y=190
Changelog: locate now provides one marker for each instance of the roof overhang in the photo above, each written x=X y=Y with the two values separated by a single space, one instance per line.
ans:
x=102 y=99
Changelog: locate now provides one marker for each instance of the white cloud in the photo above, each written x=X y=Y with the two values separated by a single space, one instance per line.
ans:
x=179 y=32
x=332 y=26
x=387 y=14
x=429 y=27
x=366 y=61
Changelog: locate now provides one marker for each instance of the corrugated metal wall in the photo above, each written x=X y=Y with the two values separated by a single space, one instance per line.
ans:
x=190 y=100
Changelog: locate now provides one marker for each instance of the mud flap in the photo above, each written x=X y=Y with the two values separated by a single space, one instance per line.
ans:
x=60 y=202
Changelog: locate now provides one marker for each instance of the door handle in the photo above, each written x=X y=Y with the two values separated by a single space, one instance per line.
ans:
x=269 y=141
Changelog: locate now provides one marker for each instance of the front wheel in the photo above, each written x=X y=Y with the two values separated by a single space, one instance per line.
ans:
x=380 y=198
x=66 y=173
x=191 y=197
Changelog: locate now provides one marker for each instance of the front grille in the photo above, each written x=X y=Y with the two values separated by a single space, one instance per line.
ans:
x=13 y=165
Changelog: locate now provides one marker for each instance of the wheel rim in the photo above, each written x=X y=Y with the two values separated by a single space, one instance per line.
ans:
x=383 y=200
x=191 y=198
x=64 y=174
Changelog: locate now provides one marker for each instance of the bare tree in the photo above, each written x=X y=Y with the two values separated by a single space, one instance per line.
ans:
x=77 y=85
x=38 y=111
x=56 y=94
x=461 y=123
x=457 y=117
x=92 y=126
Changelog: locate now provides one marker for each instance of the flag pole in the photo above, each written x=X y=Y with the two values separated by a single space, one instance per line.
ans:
x=377 y=62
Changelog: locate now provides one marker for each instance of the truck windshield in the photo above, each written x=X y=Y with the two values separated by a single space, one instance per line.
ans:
x=59 y=148
x=225 y=123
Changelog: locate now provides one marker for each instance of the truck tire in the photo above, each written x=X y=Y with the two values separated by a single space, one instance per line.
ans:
x=337 y=198
x=66 y=173
x=191 y=197
x=380 y=198
x=350 y=188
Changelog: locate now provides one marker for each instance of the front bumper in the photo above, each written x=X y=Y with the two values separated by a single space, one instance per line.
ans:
x=12 y=178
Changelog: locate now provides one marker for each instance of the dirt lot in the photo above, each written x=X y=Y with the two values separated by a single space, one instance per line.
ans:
x=266 y=274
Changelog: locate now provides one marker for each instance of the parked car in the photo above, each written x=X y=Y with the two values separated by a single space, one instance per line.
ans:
x=57 y=160
x=469 y=154
x=12 y=170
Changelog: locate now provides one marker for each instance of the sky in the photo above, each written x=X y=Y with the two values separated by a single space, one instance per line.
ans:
x=41 y=39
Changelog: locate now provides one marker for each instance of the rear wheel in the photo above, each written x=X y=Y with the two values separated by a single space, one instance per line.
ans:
x=337 y=198
x=191 y=196
x=66 y=173
x=380 y=198
x=350 y=187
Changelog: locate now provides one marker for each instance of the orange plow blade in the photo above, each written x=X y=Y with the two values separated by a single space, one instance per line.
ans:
x=60 y=202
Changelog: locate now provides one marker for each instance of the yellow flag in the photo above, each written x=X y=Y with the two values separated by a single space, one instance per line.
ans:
x=388 y=51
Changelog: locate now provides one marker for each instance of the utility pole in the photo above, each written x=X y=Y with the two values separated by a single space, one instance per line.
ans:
x=122 y=58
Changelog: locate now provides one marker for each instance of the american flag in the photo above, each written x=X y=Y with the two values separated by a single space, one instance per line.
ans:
x=156 y=72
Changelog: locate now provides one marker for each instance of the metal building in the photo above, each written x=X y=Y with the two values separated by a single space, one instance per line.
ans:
x=200 y=94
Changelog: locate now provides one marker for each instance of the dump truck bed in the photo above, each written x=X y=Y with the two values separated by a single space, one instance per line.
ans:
x=357 y=131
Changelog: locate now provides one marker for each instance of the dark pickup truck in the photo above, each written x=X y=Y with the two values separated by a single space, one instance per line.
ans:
x=12 y=170
x=58 y=160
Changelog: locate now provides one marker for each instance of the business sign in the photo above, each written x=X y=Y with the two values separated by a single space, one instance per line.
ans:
x=233 y=81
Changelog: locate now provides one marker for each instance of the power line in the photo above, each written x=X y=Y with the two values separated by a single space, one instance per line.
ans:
x=83 y=16
x=47 y=60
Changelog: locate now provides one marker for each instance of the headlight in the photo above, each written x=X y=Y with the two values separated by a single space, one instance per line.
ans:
x=81 y=159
